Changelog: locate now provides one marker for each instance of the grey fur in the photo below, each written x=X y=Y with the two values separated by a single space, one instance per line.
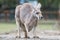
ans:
x=25 y=19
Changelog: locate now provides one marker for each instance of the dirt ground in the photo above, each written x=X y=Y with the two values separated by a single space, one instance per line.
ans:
x=42 y=34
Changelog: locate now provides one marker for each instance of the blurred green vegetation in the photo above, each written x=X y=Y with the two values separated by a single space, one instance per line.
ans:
x=50 y=4
x=10 y=3
x=45 y=3
x=6 y=27
x=11 y=26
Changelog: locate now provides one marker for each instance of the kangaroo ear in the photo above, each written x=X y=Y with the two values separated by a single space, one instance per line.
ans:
x=38 y=6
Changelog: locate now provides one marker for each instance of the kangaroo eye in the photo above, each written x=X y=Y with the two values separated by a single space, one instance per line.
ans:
x=37 y=13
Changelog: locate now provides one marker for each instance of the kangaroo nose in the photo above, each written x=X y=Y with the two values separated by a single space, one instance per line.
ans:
x=42 y=17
